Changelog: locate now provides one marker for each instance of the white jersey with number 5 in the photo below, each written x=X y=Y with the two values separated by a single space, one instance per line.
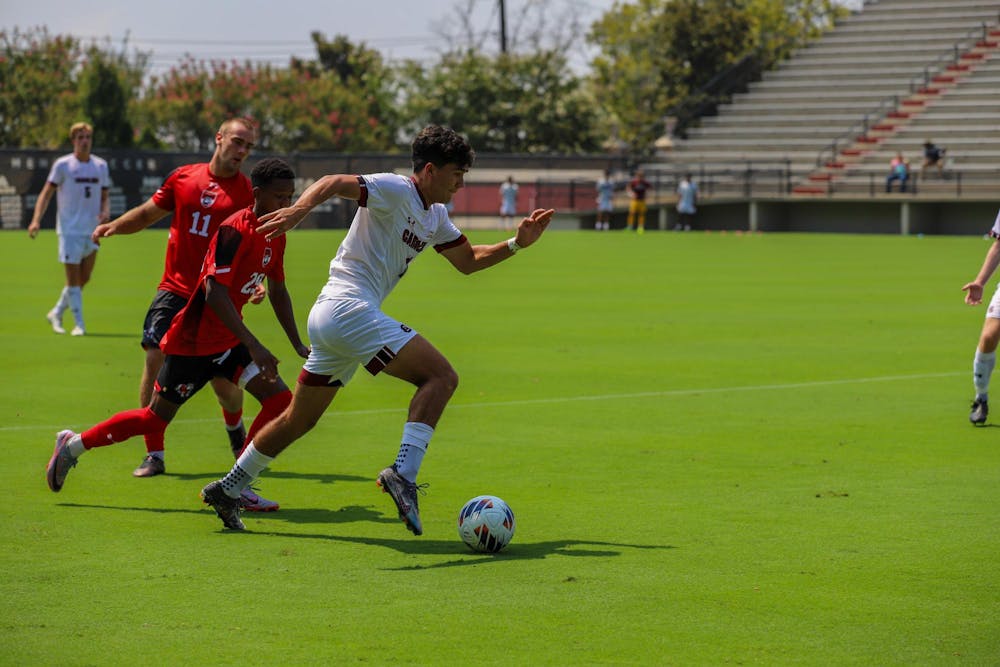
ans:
x=392 y=226
x=79 y=193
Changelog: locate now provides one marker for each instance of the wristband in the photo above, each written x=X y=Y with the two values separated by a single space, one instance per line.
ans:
x=512 y=246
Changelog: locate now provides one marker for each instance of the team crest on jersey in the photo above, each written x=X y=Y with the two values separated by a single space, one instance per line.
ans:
x=208 y=195
x=267 y=257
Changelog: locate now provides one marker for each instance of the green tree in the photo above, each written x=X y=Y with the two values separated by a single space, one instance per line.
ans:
x=367 y=80
x=106 y=89
x=38 y=98
x=509 y=103
x=655 y=55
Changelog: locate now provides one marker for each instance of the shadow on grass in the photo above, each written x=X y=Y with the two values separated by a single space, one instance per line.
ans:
x=270 y=474
x=515 y=551
x=406 y=545
x=312 y=515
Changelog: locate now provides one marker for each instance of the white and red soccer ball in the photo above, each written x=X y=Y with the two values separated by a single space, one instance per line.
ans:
x=486 y=524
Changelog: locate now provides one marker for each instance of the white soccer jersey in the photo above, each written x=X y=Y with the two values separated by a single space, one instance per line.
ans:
x=392 y=226
x=79 y=193
x=995 y=231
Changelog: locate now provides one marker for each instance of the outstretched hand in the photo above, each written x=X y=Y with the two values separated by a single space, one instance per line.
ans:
x=278 y=222
x=531 y=228
x=103 y=230
x=973 y=293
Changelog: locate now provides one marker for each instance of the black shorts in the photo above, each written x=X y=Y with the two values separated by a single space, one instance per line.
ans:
x=161 y=313
x=181 y=377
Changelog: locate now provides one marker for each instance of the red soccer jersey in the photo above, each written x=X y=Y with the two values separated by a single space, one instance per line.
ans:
x=200 y=202
x=238 y=259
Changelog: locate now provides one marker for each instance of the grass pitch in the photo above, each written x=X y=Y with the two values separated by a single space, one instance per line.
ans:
x=720 y=449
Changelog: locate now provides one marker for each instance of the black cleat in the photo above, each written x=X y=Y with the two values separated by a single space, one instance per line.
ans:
x=228 y=509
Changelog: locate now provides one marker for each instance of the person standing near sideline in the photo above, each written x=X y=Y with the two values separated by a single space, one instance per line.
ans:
x=398 y=217
x=986 y=351
x=687 y=202
x=508 y=202
x=637 y=189
x=81 y=183
x=208 y=338
x=605 y=195
x=200 y=196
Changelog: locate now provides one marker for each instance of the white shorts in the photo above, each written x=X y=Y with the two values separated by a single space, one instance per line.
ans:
x=507 y=210
x=345 y=333
x=75 y=247
x=994 y=308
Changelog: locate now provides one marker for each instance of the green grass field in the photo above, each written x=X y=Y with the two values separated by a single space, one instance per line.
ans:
x=720 y=449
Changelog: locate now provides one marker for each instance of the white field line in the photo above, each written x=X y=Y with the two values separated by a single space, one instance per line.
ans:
x=596 y=397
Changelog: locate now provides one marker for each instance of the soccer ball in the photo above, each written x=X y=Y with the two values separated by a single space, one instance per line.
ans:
x=486 y=524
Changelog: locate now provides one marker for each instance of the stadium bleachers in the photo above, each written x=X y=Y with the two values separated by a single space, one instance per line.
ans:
x=828 y=121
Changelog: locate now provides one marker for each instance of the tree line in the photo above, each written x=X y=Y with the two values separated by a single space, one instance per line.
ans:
x=652 y=57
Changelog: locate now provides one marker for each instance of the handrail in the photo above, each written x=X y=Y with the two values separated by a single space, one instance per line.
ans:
x=953 y=52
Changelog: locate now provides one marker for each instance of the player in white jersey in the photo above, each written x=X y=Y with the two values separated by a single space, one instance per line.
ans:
x=81 y=182
x=986 y=351
x=398 y=217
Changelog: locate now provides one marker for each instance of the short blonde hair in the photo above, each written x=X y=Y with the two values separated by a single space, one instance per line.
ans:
x=239 y=120
x=79 y=127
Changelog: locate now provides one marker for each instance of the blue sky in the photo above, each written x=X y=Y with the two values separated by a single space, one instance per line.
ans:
x=267 y=30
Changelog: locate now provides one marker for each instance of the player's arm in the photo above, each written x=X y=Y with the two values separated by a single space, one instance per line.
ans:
x=105 y=213
x=132 y=221
x=278 y=222
x=281 y=302
x=974 y=290
x=41 y=205
x=217 y=298
x=469 y=258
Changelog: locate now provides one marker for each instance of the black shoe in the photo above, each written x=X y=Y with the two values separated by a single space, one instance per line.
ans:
x=404 y=494
x=227 y=509
x=236 y=439
x=979 y=411
x=150 y=467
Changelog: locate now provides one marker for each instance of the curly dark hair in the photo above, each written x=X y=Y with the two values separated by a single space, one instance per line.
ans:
x=439 y=146
x=270 y=169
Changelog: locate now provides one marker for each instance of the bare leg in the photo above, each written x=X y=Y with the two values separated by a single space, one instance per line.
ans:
x=307 y=406
x=420 y=364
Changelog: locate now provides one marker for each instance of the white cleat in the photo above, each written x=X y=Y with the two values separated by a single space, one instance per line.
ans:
x=55 y=321
x=77 y=331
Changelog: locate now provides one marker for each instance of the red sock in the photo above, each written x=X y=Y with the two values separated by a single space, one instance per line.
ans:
x=123 y=426
x=232 y=419
x=154 y=442
x=269 y=409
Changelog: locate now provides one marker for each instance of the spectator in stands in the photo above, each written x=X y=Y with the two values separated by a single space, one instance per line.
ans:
x=637 y=189
x=933 y=157
x=687 y=200
x=899 y=170
x=605 y=196
x=508 y=202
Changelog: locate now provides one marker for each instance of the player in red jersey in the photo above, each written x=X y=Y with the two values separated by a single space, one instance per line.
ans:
x=200 y=196
x=208 y=338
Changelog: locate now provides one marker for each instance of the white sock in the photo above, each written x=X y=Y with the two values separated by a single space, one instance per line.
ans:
x=75 y=446
x=246 y=469
x=76 y=304
x=416 y=437
x=982 y=369
x=63 y=303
